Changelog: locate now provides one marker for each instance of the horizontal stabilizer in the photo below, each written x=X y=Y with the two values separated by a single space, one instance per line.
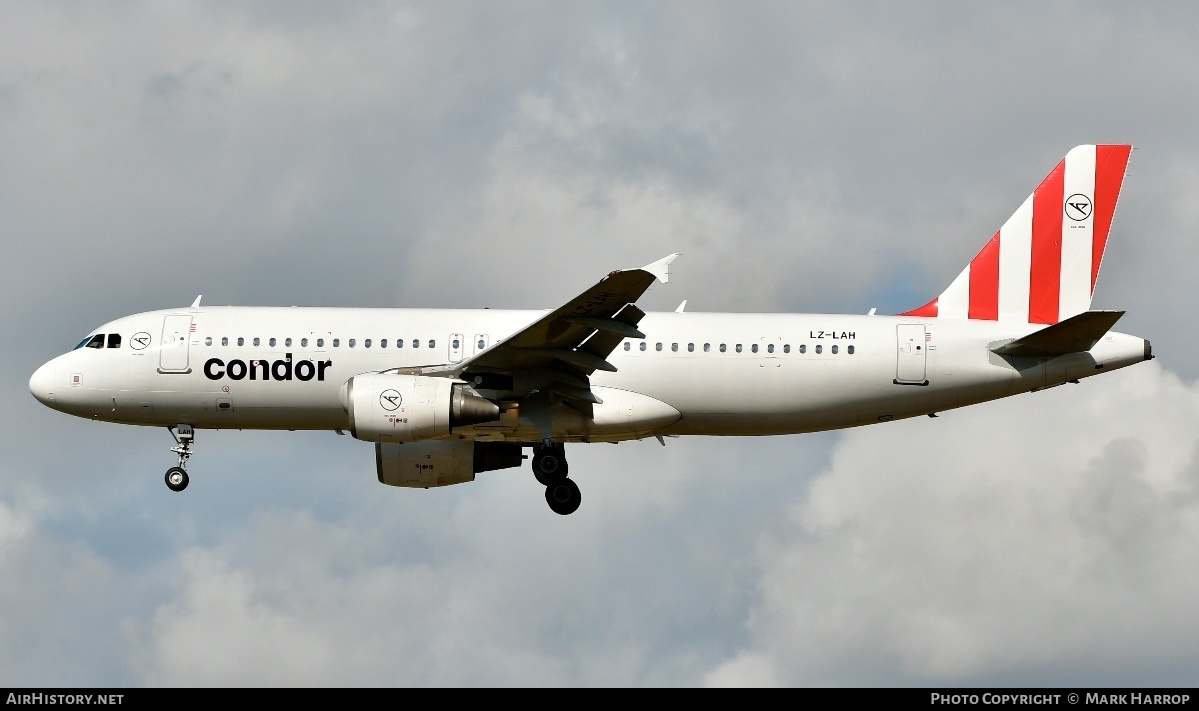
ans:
x=1076 y=334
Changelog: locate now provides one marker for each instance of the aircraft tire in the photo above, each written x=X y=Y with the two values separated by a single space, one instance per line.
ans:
x=563 y=497
x=176 y=479
x=549 y=465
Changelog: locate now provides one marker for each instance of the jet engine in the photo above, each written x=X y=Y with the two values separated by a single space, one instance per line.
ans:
x=409 y=408
x=442 y=462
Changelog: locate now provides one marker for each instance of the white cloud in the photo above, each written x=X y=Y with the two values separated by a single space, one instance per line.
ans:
x=1046 y=536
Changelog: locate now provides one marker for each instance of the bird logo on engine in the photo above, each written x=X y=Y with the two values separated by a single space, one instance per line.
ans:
x=390 y=400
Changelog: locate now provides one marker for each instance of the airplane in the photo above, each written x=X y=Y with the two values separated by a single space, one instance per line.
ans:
x=446 y=394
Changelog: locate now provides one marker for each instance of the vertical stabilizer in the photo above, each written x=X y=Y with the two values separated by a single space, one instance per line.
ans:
x=1041 y=266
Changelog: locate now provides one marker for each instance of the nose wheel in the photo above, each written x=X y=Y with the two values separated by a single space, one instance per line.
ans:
x=176 y=479
x=176 y=476
x=549 y=467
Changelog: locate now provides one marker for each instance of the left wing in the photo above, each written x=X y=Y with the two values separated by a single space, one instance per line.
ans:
x=561 y=349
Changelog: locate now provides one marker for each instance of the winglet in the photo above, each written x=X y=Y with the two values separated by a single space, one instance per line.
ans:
x=196 y=303
x=661 y=268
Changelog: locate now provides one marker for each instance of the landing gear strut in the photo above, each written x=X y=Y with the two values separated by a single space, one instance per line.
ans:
x=176 y=477
x=549 y=466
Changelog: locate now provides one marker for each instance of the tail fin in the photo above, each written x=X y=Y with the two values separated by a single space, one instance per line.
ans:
x=1042 y=264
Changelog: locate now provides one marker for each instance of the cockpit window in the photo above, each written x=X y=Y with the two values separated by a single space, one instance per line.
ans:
x=96 y=341
x=114 y=340
x=83 y=343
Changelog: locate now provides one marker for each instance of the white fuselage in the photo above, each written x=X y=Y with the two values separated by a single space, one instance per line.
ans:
x=699 y=373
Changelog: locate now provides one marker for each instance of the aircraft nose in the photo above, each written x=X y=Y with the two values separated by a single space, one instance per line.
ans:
x=42 y=384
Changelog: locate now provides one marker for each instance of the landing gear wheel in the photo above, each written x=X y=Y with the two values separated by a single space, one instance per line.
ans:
x=549 y=464
x=176 y=479
x=563 y=497
x=176 y=475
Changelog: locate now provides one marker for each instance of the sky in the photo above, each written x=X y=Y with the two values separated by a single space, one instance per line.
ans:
x=816 y=157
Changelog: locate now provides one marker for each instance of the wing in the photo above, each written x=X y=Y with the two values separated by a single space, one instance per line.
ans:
x=559 y=351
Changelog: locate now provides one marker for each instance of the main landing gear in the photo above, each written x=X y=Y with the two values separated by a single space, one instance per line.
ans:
x=549 y=466
x=177 y=476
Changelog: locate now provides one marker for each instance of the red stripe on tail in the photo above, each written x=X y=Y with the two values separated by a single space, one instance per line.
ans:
x=1045 y=280
x=929 y=310
x=1110 y=164
x=984 y=282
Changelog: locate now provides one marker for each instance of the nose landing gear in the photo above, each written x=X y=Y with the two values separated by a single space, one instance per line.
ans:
x=176 y=476
x=549 y=466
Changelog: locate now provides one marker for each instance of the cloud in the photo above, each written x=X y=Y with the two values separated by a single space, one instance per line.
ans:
x=61 y=605
x=1040 y=537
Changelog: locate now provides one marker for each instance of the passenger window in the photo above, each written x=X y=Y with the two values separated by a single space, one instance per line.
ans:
x=399 y=343
x=628 y=346
x=722 y=348
x=834 y=349
x=455 y=345
x=819 y=348
x=644 y=345
x=352 y=342
x=383 y=343
x=786 y=347
x=114 y=340
x=366 y=343
x=415 y=343
x=432 y=344
x=271 y=342
x=707 y=347
x=287 y=343
x=241 y=341
x=658 y=347
x=481 y=344
x=303 y=343
x=97 y=341
x=803 y=348
x=849 y=350
x=336 y=342
x=754 y=348
x=320 y=343
x=208 y=341
x=674 y=347
x=738 y=347
x=690 y=347
x=770 y=348
x=256 y=341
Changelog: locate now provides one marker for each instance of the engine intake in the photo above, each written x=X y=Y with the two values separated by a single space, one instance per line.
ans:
x=409 y=408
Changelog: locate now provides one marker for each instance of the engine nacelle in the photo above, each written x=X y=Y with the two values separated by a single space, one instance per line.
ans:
x=410 y=408
x=442 y=462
